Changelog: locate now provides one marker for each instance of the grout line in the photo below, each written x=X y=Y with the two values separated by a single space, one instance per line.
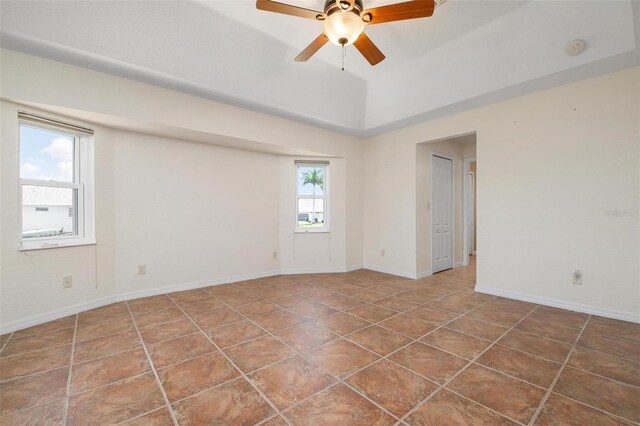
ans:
x=617 y=381
x=108 y=355
x=595 y=408
x=139 y=416
x=243 y=375
x=65 y=410
x=484 y=406
x=153 y=368
x=466 y=334
x=502 y=345
x=487 y=367
x=4 y=345
x=13 y=333
x=305 y=356
x=23 y=409
x=217 y=385
x=53 y=345
x=448 y=381
x=634 y=360
x=102 y=321
x=331 y=288
x=381 y=358
x=557 y=377
x=546 y=337
x=82 y=392
x=32 y=374
x=268 y=419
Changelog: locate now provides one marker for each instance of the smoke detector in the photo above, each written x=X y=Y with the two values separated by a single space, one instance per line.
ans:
x=575 y=47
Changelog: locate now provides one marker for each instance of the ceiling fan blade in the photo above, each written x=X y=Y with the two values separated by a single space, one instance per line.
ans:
x=399 y=12
x=369 y=50
x=311 y=50
x=287 y=9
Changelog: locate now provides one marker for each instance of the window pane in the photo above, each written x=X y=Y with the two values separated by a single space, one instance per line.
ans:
x=310 y=213
x=311 y=180
x=46 y=154
x=48 y=212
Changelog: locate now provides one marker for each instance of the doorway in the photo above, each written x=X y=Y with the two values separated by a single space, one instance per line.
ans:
x=471 y=222
x=469 y=208
x=442 y=213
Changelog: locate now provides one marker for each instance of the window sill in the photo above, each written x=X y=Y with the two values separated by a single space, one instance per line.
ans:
x=320 y=231
x=42 y=245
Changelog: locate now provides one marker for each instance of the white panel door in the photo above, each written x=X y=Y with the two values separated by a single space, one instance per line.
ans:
x=471 y=214
x=441 y=214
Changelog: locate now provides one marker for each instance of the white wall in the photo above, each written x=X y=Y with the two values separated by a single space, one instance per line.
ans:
x=314 y=251
x=184 y=209
x=552 y=163
x=193 y=213
x=31 y=281
x=188 y=211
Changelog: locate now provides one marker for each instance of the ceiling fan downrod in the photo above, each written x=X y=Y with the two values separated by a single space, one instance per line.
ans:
x=344 y=53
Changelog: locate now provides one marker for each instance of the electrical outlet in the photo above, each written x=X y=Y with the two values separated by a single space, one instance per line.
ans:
x=382 y=253
x=142 y=269
x=275 y=255
x=577 y=277
x=67 y=282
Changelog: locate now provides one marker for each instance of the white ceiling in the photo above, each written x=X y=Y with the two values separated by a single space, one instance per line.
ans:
x=468 y=54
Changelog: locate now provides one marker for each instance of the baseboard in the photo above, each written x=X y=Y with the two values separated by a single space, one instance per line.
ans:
x=458 y=264
x=55 y=314
x=563 y=304
x=319 y=270
x=354 y=268
x=131 y=295
x=193 y=285
x=424 y=274
x=390 y=271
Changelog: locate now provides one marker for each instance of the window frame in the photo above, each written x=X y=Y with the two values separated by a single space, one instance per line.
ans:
x=82 y=185
x=324 y=197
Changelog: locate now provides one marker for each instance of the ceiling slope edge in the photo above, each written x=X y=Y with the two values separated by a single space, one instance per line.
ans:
x=572 y=75
x=71 y=56
x=98 y=63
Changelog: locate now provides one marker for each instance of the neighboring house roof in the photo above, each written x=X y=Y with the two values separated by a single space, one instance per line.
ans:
x=46 y=196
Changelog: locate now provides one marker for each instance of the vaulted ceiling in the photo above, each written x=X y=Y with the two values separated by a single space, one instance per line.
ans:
x=468 y=54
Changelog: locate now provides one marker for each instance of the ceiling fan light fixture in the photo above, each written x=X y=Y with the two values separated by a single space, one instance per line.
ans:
x=343 y=28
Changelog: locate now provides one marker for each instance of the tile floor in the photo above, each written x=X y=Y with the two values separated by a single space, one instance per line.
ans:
x=360 y=348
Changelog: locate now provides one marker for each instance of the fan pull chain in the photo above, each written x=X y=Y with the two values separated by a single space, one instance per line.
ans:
x=344 y=53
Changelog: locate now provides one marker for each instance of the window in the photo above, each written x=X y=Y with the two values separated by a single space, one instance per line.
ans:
x=311 y=197
x=56 y=183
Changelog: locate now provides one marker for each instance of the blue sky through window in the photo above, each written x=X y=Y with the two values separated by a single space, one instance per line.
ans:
x=46 y=155
x=307 y=189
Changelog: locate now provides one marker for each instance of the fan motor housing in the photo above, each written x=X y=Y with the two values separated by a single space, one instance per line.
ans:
x=332 y=6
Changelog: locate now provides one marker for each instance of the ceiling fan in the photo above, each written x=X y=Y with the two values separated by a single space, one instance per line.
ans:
x=344 y=22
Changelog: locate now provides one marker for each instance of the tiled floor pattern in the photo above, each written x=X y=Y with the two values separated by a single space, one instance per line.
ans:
x=360 y=348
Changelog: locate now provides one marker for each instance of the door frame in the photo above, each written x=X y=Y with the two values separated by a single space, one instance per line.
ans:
x=453 y=227
x=466 y=169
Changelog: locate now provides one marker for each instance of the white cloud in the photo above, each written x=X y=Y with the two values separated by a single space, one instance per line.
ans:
x=30 y=171
x=66 y=170
x=60 y=149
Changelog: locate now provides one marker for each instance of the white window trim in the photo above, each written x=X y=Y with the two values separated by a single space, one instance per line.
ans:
x=84 y=184
x=325 y=197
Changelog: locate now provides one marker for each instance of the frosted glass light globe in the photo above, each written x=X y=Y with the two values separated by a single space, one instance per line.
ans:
x=343 y=28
